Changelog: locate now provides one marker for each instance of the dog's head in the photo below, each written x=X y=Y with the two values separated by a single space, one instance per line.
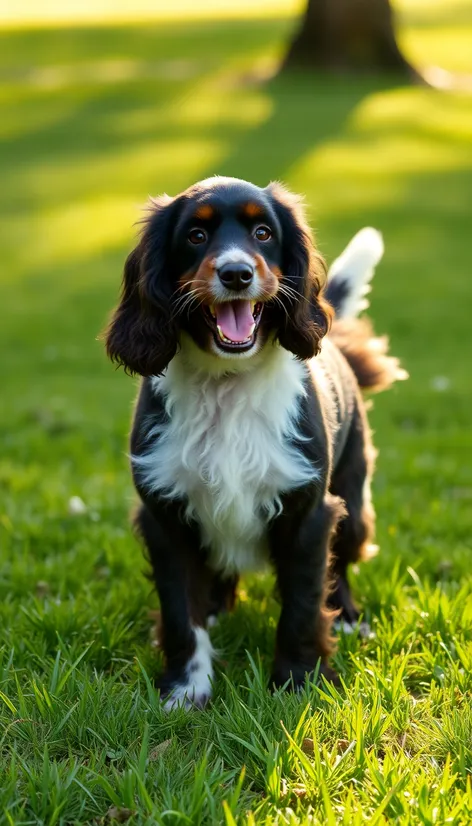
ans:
x=228 y=263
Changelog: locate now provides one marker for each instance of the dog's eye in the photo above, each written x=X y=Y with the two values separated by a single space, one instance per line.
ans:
x=262 y=233
x=197 y=236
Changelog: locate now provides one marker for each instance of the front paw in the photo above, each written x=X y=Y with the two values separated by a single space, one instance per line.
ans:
x=189 y=687
x=185 y=692
x=186 y=697
x=293 y=676
x=362 y=628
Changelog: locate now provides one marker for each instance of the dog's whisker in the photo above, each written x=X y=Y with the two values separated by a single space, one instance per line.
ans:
x=187 y=305
x=189 y=296
x=180 y=308
x=290 y=292
x=188 y=284
x=277 y=300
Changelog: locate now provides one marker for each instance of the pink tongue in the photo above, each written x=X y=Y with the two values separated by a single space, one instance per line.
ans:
x=235 y=320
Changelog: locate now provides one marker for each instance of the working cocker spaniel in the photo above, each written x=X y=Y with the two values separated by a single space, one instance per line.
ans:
x=250 y=442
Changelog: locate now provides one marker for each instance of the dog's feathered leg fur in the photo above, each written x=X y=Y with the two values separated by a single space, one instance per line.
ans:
x=348 y=284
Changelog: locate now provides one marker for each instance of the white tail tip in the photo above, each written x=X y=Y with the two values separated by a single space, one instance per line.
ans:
x=354 y=269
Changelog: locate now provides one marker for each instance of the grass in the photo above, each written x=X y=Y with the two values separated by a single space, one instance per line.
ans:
x=94 y=119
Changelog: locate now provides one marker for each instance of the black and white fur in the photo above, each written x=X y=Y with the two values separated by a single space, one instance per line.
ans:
x=253 y=455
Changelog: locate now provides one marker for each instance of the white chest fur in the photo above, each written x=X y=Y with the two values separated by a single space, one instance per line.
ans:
x=227 y=450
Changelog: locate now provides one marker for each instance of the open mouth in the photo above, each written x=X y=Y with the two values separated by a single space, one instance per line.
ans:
x=234 y=324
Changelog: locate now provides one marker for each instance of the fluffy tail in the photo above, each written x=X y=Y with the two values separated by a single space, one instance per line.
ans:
x=350 y=275
x=348 y=284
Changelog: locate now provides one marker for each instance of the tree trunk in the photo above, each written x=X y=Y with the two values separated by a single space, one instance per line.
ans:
x=348 y=35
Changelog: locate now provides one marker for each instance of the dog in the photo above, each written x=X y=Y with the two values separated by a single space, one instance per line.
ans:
x=250 y=442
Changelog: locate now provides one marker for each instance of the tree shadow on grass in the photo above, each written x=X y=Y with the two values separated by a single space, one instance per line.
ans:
x=306 y=111
x=78 y=98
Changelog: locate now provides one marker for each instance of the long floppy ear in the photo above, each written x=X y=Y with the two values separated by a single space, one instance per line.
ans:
x=142 y=334
x=308 y=317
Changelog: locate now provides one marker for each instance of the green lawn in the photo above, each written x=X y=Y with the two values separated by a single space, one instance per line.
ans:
x=94 y=119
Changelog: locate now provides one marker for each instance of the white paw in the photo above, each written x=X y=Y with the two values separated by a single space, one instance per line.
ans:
x=186 y=697
x=365 y=631
x=363 y=628
x=196 y=690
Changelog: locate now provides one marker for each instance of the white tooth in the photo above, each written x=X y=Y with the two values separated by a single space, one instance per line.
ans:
x=253 y=304
x=220 y=332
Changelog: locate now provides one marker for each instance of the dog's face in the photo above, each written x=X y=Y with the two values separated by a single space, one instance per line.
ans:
x=228 y=263
x=226 y=251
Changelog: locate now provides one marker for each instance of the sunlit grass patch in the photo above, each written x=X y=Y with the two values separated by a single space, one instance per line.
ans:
x=53 y=12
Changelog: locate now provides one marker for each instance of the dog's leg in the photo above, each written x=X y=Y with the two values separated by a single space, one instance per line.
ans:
x=184 y=583
x=353 y=541
x=222 y=596
x=300 y=545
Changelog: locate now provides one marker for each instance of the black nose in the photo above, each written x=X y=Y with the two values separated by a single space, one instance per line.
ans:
x=236 y=276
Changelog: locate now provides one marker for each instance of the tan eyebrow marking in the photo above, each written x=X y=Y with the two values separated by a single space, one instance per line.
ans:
x=252 y=210
x=205 y=211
